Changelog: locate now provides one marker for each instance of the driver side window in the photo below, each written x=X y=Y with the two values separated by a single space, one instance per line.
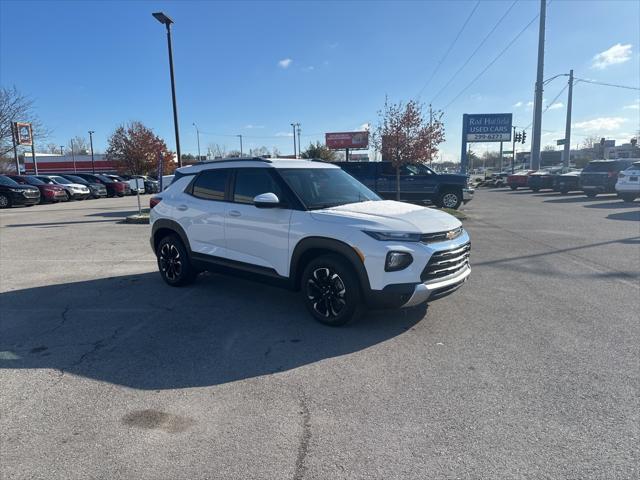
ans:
x=251 y=182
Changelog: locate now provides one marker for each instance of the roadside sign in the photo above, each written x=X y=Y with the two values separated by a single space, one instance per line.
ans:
x=352 y=140
x=23 y=133
x=487 y=127
x=507 y=152
x=560 y=142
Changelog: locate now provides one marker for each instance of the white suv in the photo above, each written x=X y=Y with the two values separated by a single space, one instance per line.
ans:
x=310 y=226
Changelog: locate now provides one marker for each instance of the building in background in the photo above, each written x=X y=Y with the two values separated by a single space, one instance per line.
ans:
x=55 y=163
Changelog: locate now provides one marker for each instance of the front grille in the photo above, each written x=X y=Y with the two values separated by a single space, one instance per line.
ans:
x=31 y=193
x=446 y=263
x=441 y=236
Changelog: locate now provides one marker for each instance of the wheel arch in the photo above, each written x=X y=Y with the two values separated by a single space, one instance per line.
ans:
x=163 y=227
x=311 y=247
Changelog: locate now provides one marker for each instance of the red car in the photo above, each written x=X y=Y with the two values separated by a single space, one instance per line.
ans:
x=48 y=193
x=519 y=179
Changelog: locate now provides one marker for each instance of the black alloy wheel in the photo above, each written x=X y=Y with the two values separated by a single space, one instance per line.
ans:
x=173 y=262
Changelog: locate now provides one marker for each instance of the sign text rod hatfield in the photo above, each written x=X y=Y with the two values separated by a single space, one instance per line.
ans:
x=483 y=127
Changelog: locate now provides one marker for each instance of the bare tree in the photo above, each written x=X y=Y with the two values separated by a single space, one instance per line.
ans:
x=217 y=150
x=79 y=144
x=16 y=107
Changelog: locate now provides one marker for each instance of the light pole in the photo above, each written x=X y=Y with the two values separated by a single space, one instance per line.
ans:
x=295 y=152
x=73 y=157
x=198 y=135
x=166 y=21
x=240 y=137
x=93 y=165
x=61 y=150
x=537 y=104
x=566 y=157
x=299 y=144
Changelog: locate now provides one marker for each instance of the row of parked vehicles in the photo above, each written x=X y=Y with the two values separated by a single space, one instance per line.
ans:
x=29 y=190
x=619 y=176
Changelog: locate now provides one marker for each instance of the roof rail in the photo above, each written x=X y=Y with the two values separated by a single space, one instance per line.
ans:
x=232 y=159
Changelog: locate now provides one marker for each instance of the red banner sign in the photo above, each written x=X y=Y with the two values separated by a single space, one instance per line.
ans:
x=354 y=140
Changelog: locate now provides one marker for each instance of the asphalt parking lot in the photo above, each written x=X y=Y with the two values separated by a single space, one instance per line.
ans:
x=530 y=371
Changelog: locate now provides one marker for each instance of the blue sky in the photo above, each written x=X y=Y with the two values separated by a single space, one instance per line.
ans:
x=252 y=68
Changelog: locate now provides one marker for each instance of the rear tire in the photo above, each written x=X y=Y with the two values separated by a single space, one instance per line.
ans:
x=535 y=190
x=514 y=187
x=591 y=194
x=174 y=262
x=627 y=197
x=450 y=199
x=331 y=290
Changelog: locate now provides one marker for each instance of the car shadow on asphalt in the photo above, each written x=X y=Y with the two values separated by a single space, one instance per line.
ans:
x=581 y=198
x=138 y=332
x=629 y=216
x=617 y=204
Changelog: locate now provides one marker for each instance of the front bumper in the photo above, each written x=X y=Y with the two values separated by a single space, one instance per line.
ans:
x=628 y=188
x=434 y=290
x=467 y=194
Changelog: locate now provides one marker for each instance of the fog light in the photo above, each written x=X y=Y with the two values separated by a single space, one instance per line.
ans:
x=397 y=261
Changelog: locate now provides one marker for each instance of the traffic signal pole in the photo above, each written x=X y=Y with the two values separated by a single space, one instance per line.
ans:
x=567 y=130
x=513 y=151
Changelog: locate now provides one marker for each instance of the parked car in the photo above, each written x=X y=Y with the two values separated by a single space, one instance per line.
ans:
x=418 y=183
x=96 y=190
x=132 y=184
x=119 y=189
x=600 y=176
x=12 y=193
x=628 y=184
x=545 y=179
x=519 y=179
x=48 y=192
x=75 y=191
x=311 y=226
x=568 y=182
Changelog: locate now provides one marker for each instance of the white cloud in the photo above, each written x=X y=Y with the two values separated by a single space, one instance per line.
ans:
x=606 y=124
x=285 y=62
x=633 y=106
x=250 y=126
x=309 y=68
x=529 y=104
x=284 y=134
x=556 y=105
x=617 y=54
x=517 y=105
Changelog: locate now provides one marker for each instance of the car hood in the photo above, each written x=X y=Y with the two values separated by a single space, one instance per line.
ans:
x=454 y=178
x=389 y=215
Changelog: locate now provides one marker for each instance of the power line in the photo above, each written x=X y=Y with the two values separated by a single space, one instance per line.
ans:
x=478 y=47
x=549 y=105
x=502 y=52
x=446 y=54
x=607 y=84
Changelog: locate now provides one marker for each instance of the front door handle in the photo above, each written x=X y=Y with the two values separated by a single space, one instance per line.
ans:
x=234 y=213
x=182 y=208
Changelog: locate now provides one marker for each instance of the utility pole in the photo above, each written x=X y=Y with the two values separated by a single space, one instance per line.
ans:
x=430 y=134
x=513 y=151
x=500 y=157
x=14 y=137
x=240 y=137
x=198 y=135
x=73 y=157
x=61 y=150
x=537 y=104
x=299 y=144
x=93 y=165
x=567 y=129
x=295 y=152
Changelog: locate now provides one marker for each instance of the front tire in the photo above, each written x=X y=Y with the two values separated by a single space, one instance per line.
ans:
x=513 y=187
x=450 y=199
x=627 y=197
x=174 y=263
x=591 y=194
x=5 y=201
x=331 y=290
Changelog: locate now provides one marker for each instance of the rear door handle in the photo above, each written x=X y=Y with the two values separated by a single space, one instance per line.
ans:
x=182 y=208
x=234 y=213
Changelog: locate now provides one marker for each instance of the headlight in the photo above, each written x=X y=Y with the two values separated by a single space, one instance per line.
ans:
x=394 y=236
x=397 y=261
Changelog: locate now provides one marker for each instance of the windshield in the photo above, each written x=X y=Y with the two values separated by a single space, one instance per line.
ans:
x=105 y=179
x=33 y=180
x=60 y=180
x=8 y=182
x=325 y=187
x=46 y=180
x=599 y=167
x=75 y=179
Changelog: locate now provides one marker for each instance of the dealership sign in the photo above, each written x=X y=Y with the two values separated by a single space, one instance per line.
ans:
x=23 y=133
x=355 y=140
x=488 y=127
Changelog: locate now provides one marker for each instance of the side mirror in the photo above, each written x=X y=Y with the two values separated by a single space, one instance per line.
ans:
x=266 y=200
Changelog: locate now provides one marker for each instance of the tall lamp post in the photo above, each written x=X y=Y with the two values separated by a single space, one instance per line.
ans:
x=166 y=21
x=198 y=135
x=240 y=137
x=93 y=165
x=61 y=150
x=295 y=152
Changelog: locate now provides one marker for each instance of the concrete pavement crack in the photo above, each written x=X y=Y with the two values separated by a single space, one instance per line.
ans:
x=305 y=438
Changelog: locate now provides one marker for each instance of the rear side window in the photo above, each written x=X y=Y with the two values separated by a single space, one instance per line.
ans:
x=210 y=184
x=254 y=181
x=600 y=167
x=634 y=166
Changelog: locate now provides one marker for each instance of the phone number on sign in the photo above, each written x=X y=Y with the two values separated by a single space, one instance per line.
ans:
x=487 y=137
